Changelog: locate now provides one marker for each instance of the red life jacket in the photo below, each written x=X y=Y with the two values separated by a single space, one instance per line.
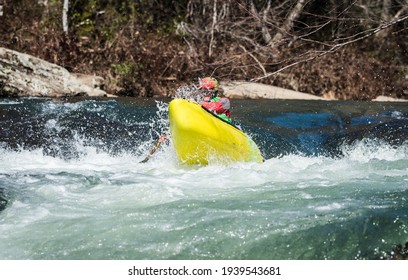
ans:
x=218 y=106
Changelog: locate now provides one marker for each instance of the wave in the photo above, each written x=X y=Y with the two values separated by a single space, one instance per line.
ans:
x=92 y=157
x=69 y=170
x=285 y=201
x=117 y=128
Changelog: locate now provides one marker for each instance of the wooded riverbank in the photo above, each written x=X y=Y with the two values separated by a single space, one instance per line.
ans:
x=334 y=50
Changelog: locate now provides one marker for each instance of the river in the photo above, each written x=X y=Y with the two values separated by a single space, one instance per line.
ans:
x=334 y=183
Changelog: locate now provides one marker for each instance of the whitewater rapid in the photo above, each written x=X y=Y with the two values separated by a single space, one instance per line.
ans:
x=76 y=189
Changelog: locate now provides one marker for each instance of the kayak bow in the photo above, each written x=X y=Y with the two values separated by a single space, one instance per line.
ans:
x=200 y=137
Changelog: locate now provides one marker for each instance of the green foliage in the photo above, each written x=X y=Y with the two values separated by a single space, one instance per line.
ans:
x=171 y=26
x=82 y=17
x=125 y=68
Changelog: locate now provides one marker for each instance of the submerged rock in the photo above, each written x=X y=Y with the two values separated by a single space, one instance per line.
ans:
x=25 y=75
x=3 y=200
x=399 y=252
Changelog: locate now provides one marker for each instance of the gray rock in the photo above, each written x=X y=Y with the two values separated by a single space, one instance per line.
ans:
x=25 y=75
x=248 y=90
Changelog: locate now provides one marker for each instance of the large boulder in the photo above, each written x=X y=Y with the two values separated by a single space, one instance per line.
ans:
x=382 y=98
x=241 y=89
x=25 y=75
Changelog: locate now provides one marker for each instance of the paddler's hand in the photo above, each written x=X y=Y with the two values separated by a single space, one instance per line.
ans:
x=163 y=138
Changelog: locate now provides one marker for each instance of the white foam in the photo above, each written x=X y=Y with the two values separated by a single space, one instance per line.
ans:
x=368 y=149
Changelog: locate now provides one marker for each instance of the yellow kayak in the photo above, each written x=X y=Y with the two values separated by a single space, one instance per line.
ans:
x=200 y=137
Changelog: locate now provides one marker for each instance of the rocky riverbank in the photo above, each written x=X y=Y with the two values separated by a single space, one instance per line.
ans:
x=236 y=89
x=24 y=75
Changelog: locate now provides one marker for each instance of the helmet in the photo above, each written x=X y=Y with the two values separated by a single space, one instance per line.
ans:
x=209 y=83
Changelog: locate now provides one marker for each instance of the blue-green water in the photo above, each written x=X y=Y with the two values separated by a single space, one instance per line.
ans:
x=334 y=184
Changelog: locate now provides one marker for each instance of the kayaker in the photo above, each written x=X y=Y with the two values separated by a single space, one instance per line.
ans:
x=212 y=102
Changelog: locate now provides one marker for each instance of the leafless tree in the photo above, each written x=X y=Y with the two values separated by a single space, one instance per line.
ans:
x=258 y=31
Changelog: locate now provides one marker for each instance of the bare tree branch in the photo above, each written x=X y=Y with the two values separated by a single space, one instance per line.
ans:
x=352 y=39
x=289 y=23
x=402 y=10
x=256 y=60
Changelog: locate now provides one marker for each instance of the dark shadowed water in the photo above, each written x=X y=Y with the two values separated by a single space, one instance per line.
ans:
x=334 y=184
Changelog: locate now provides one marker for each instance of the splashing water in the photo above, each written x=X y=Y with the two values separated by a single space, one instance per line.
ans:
x=189 y=93
x=333 y=186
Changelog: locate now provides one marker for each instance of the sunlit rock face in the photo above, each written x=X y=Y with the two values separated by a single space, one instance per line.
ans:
x=25 y=75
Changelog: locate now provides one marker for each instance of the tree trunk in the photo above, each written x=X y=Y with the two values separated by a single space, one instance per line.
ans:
x=214 y=23
x=386 y=16
x=386 y=9
x=289 y=22
x=65 y=16
x=262 y=18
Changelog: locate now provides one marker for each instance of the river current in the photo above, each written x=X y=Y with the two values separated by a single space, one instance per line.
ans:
x=334 y=183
